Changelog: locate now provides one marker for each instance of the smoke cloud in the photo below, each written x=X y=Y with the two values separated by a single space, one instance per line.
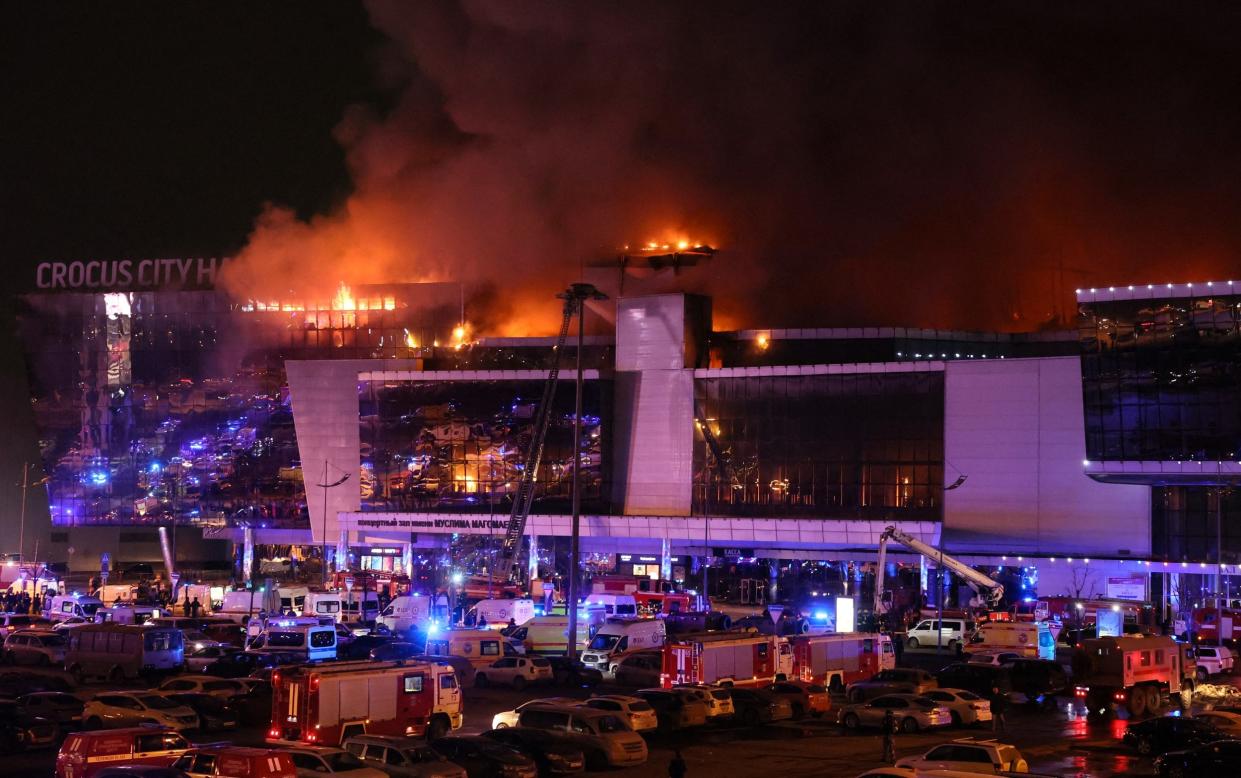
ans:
x=929 y=165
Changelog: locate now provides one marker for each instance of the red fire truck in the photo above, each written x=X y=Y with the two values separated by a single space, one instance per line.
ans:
x=324 y=704
x=652 y=596
x=838 y=659
x=737 y=658
x=1135 y=672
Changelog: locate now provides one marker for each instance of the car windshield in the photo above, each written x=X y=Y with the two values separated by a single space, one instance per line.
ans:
x=342 y=760
x=604 y=642
x=286 y=639
x=157 y=703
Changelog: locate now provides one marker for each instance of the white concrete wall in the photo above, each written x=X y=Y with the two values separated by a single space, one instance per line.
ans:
x=653 y=435
x=1015 y=428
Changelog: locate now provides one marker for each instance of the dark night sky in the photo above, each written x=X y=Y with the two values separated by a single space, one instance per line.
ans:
x=906 y=163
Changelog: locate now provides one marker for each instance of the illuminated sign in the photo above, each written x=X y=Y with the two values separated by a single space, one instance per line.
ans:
x=197 y=272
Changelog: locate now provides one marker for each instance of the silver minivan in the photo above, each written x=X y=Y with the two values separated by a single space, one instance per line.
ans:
x=929 y=633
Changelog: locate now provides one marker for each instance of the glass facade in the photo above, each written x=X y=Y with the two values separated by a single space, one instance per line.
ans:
x=864 y=445
x=459 y=446
x=903 y=345
x=1161 y=379
x=163 y=406
x=1194 y=523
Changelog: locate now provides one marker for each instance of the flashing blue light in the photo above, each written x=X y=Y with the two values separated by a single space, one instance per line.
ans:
x=433 y=628
x=1027 y=599
x=820 y=615
x=154 y=467
x=98 y=477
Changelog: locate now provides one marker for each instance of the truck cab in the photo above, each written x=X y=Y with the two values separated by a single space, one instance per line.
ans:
x=617 y=637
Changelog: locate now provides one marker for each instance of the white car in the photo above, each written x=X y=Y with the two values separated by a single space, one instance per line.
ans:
x=1213 y=660
x=965 y=706
x=718 y=699
x=318 y=761
x=639 y=712
x=112 y=710
x=35 y=647
x=994 y=658
x=197 y=661
x=508 y=718
x=204 y=684
x=515 y=671
x=67 y=624
x=969 y=755
x=195 y=640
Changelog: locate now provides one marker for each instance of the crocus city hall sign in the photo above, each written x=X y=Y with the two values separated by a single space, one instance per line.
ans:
x=128 y=274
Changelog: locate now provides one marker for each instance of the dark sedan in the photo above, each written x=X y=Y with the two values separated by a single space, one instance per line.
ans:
x=214 y=713
x=64 y=709
x=362 y=646
x=755 y=706
x=485 y=758
x=1170 y=733
x=396 y=649
x=20 y=730
x=1214 y=760
x=554 y=753
x=571 y=672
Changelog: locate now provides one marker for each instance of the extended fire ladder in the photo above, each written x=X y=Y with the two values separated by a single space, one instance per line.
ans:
x=523 y=499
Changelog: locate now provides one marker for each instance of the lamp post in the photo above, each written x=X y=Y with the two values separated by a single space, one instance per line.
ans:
x=325 y=486
x=21 y=535
x=577 y=294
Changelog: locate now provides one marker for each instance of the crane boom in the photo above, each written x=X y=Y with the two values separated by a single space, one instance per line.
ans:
x=523 y=499
x=989 y=590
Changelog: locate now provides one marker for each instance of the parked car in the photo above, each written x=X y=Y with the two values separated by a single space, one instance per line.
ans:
x=1170 y=733
x=35 y=647
x=637 y=711
x=1214 y=760
x=64 y=709
x=979 y=679
x=318 y=761
x=950 y=633
x=1226 y=720
x=606 y=735
x=214 y=713
x=674 y=711
x=754 y=706
x=195 y=639
x=515 y=671
x=395 y=649
x=969 y=755
x=131 y=709
x=554 y=753
x=900 y=680
x=1212 y=660
x=1038 y=680
x=993 y=657
x=21 y=730
x=509 y=718
x=241 y=664
x=206 y=684
x=229 y=761
x=402 y=757
x=12 y=622
x=197 y=661
x=360 y=646
x=913 y=712
x=804 y=698
x=92 y=754
x=719 y=699
x=571 y=672
x=641 y=669
x=965 y=706
x=485 y=758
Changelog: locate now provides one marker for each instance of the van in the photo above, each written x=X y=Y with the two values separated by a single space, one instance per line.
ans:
x=549 y=634
x=293 y=599
x=480 y=646
x=119 y=651
x=358 y=605
x=236 y=762
x=408 y=610
x=85 y=753
x=322 y=605
x=929 y=634
x=1030 y=639
x=496 y=613
x=66 y=606
x=309 y=640
x=618 y=637
x=126 y=614
x=110 y=593
x=613 y=604
x=241 y=605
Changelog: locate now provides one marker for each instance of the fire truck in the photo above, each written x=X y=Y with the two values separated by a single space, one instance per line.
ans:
x=838 y=659
x=1134 y=672
x=651 y=595
x=1212 y=624
x=324 y=704
x=733 y=658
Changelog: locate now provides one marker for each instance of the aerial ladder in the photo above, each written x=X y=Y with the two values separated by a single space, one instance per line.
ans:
x=523 y=498
x=987 y=591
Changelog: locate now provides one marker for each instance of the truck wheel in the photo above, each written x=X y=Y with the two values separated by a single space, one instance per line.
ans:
x=1154 y=700
x=1136 y=701
x=519 y=683
x=438 y=727
x=480 y=680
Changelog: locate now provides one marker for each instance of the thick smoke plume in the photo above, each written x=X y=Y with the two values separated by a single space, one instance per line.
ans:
x=931 y=165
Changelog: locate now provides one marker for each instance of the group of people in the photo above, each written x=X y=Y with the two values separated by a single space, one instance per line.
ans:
x=22 y=602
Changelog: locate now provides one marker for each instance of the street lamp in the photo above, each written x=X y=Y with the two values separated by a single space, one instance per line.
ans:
x=325 y=486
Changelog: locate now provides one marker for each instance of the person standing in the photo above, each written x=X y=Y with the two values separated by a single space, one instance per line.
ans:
x=889 y=737
x=677 y=767
x=195 y=607
x=999 y=706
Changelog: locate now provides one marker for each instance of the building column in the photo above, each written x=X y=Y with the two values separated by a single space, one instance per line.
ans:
x=247 y=555
x=532 y=561
x=407 y=560
x=342 y=551
x=665 y=560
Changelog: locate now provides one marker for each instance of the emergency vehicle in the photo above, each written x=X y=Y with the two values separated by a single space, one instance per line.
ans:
x=1211 y=624
x=652 y=596
x=325 y=704
x=1032 y=639
x=618 y=637
x=496 y=613
x=85 y=753
x=1134 y=672
x=736 y=658
x=838 y=659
